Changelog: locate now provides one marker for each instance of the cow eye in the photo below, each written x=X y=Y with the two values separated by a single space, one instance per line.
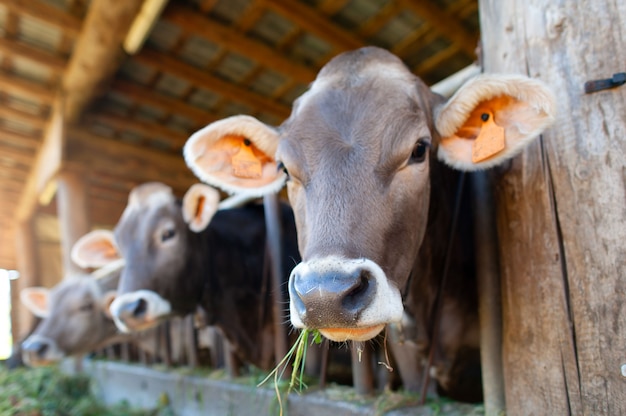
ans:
x=167 y=234
x=419 y=151
x=281 y=166
x=86 y=307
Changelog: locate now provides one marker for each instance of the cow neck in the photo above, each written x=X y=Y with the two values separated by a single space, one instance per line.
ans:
x=205 y=244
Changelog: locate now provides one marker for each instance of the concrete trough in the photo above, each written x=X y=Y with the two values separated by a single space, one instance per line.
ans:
x=191 y=395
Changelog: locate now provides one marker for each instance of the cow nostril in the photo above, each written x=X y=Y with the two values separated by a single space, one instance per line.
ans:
x=140 y=309
x=354 y=298
x=41 y=349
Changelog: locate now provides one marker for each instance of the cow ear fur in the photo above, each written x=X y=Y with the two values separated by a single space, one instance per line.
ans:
x=36 y=300
x=236 y=154
x=521 y=106
x=199 y=205
x=95 y=249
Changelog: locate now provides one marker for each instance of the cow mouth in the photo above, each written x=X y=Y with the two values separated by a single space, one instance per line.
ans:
x=352 y=334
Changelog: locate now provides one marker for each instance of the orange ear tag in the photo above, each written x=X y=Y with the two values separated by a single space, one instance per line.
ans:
x=490 y=140
x=245 y=163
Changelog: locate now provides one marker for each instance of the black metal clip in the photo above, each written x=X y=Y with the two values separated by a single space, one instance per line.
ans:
x=604 y=84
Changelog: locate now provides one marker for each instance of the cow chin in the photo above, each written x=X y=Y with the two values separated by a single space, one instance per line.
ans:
x=345 y=299
x=139 y=310
x=352 y=334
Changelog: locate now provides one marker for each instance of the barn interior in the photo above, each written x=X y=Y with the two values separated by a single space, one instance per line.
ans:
x=94 y=102
x=99 y=96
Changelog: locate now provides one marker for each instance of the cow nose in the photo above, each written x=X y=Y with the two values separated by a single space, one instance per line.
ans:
x=133 y=310
x=38 y=347
x=331 y=298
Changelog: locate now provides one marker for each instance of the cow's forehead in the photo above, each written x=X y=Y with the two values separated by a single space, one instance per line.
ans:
x=144 y=199
x=74 y=290
x=381 y=71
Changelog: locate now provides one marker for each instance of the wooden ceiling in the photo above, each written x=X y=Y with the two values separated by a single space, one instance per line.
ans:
x=203 y=60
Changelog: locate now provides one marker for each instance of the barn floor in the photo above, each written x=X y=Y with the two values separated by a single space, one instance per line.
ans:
x=189 y=395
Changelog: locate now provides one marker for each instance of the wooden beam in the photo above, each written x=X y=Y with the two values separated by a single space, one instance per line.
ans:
x=45 y=12
x=434 y=61
x=170 y=105
x=447 y=25
x=27 y=265
x=55 y=63
x=201 y=78
x=47 y=163
x=149 y=164
x=25 y=89
x=27 y=118
x=73 y=212
x=148 y=130
x=310 y=20
x=97 y=53
x=192 y=22
x=19 y=140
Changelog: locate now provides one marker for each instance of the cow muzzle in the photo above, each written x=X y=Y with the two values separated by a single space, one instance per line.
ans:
x=345 y=299
x=38 y=351
x=136 y=311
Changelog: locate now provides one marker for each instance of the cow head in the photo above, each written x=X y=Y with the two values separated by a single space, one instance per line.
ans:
x=74 y=316
x=357 y=150
x=156 y=238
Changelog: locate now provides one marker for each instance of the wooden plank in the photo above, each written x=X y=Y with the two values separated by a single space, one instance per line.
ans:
x=201 y=78
x=25 y=89
x=561 y=206
x=20 y=156
x=47 y=13
x=97 y=52
x=434 y=61
x=445 y=24
x=192 y=22
x=47 y=163
x=11 y=48
x=310 y=20
x=153 y=164
x=170 y=105
x=18 y=140
x=176 y=139
x=33 y=120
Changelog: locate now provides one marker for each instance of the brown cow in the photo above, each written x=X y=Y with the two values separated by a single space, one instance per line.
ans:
x=181 y=255
x=362 y=151
x=75 y=316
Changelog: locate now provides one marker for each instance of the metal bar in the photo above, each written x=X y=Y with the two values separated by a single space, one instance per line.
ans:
x=489 y=294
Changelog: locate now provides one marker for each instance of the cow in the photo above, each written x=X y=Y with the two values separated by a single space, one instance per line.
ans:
x=75 y=319
x=367 y=155
x=183 y=254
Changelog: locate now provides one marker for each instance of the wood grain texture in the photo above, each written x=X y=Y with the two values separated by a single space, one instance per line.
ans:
x=561 y=210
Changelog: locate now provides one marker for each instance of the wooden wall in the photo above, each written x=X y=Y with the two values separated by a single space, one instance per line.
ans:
x=562 y=210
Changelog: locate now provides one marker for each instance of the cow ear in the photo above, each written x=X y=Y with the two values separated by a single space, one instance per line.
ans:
x=236 y=154
x=107 y=300
x=492 y=118
x=95 y=249
x=36 y=300
x=199 y=205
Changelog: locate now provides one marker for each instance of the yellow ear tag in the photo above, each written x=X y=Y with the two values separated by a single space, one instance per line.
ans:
x=245 y=163
x=490 y=140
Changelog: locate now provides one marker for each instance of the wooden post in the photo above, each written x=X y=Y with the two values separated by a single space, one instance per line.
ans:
x=22 y=319
x=73 y=215
x=560 y=210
